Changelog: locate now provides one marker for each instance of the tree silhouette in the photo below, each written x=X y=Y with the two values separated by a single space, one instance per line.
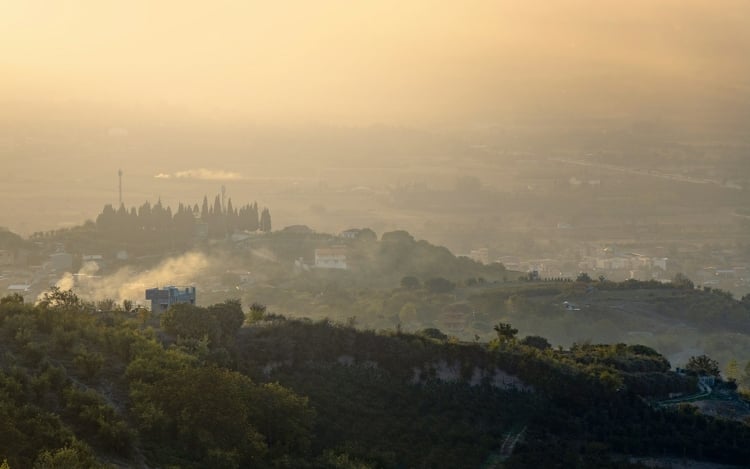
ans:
x=505 y=332
x=410 y=282
x=265 y=221
x=583 y=277
x=703 y=365
x=154 y=224
x=536 y=341
x=680 y=280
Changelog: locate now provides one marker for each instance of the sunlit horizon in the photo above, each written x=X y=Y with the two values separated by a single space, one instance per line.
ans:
x=414 y=63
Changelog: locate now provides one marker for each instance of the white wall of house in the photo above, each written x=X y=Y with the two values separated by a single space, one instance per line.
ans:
x=330 y=259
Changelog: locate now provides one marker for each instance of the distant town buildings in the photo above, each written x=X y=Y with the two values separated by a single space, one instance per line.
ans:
x=162 y=298
x=612 y=262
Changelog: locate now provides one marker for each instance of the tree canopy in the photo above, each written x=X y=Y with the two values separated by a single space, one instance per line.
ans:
x=703 y=365
x=81 y=387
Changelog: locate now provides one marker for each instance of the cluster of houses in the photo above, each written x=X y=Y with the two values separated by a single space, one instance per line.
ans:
x=730 y=273
x=19 y=275
x=631 y=264
x=26 y=273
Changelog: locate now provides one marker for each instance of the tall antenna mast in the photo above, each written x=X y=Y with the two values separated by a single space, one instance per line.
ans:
x=119 y=174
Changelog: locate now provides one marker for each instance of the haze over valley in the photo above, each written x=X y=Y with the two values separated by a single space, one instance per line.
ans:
x=359 y=235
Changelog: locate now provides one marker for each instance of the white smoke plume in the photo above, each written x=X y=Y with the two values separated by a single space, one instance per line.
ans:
x=130 y=284
x=203 y=174
x=69 y=281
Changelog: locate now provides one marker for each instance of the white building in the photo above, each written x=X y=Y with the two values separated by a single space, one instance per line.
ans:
x=331 y=258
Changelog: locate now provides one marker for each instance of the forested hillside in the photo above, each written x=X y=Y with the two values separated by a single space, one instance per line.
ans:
x=220 y=387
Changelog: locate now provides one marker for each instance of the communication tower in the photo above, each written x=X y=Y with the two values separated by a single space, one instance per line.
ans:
x=119 y=174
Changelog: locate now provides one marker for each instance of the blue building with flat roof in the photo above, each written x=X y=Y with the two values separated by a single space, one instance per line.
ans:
x=163 y=298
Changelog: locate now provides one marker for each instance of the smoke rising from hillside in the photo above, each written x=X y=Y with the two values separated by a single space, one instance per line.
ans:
x=129 y=284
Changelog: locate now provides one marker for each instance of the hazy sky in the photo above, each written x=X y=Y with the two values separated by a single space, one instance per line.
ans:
x=467 y=62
